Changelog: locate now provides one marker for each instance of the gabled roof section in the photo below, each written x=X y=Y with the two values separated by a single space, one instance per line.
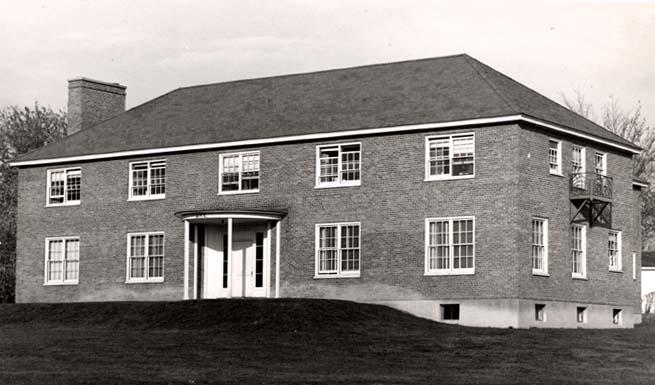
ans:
x=436 y=90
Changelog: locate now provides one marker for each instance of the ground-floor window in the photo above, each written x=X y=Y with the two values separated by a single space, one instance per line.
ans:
x=450 y=245
x=338 y=249
x=539 y=246
x=62 y=260
x=145 y=257
x=578 y=251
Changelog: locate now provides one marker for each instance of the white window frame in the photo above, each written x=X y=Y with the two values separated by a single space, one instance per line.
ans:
x=544 y=270
x=66 y=201
x=579 y=181
x=46 y=266
x=583 y=262
x=340 y=182
x=240 y=155
x=146 y=254
x=557 y=171
x=603 y=162
x=148 y=196
x=634 y=265
x=450 y=270
x=619 y=255
x=338 y=273
x=450 y=176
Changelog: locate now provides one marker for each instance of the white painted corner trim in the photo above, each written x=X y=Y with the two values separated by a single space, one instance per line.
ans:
x=333 y=134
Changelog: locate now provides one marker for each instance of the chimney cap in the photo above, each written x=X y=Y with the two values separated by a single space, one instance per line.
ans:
x=100 y=82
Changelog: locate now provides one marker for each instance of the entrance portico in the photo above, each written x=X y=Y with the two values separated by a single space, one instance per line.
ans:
x=228 y=253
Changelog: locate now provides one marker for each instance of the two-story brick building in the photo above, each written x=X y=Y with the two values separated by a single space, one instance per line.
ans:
x=437 y=186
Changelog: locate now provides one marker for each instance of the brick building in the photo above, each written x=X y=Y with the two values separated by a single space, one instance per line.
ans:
x=437 y=186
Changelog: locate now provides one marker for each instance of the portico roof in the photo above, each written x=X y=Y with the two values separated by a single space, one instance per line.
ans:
x=200 y=214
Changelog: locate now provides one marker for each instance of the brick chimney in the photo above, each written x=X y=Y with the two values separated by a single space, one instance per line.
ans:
x=92 y=101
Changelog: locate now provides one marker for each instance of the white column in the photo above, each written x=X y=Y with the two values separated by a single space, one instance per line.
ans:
x=186 y=260
x=195 y=262
x=229 y=256
x=277 y=258
x=267 y=264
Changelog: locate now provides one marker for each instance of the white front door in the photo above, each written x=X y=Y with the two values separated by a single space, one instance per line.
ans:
x=242 y=253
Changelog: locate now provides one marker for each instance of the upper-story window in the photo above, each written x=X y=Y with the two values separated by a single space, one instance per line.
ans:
x=337 y=250
x=238 y=173
x=600 y=163
x=450 y=157
x=555 y=156
x=578 y=251
x=64 y=187
x=450 y=246
x=148 y=180
x=614 y=250
x=338 y=165
x=539 y=246
x=62 y=260
x=578 y=166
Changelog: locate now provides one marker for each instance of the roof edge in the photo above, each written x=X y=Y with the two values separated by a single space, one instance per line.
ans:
x=332 y=134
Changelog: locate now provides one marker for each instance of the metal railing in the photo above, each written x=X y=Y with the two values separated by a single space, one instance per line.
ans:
x=590 y=185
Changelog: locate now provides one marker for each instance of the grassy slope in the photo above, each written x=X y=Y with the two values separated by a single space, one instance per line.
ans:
x=299 y=341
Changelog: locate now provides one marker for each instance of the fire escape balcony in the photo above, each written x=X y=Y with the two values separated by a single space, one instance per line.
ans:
x=591 y=195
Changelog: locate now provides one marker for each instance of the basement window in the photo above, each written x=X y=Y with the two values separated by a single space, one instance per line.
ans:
x=148 y=180
x=64 y=187
x=617 y=316
x=450 y=312
x=338 y=165
x=540 y=312
x=581 y=314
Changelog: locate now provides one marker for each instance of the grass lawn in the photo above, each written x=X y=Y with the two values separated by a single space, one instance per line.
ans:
x=300 y=341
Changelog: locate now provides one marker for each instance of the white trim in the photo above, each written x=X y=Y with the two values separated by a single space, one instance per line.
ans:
x=146 y=279
x=230 y=215
x=338 y=273
x=634 y=266
x=450 y=270
x=557 y=172
x=267 y=260
x=450 y=137
x=186 y=260
x=240 y=155
x=583 y=262
x=195 y=262
x=148 y=196
x=46 y=267
x=66 y=202
x=619 y=254
x=639 y=184
x=542 y=272
x=339 y=183
x=328 y=135
x=277 y=258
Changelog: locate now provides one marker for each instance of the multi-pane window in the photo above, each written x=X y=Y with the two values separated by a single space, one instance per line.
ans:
x=450 y=245
x=614 y=250
x=555 y=156
x=145 y=257
x=148 y=180
x=600 y=163
x=578 y=166
x=450 y=156
x=239 y=173
x=64 y=186
x=338 y=165
x=578 y=251
x=62 y=260
x=338 y=249
x=539 y=246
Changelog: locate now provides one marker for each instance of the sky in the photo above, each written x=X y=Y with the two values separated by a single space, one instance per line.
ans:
x=599 y=48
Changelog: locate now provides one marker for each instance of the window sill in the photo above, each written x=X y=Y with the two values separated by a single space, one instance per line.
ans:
x=336 y=276
x=238 y=192
x=611 y=270
x=75 y=203
x=580 y=277
x=152 y=280
x=61 y=283
x=540 y=273
x=450 y=272
x=557 y=174
x=436 y=178
x=150 y=198
x=322 y=186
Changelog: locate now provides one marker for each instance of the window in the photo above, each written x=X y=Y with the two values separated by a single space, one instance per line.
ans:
x=578 y=166
x=62 y=260
x=539 y=246
x=617 y=316
x=614 y=250
x=338 y=165
x=540 y=312
x=239 y=173
x=64 y=187
x=600 y=161
x=555 y=156
x=145 y=257
x=450 y=157
x=450 y=245
x=148 y=180
x=581 y=314
x=337 y=250
x=450 y=312
x=578 y=251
